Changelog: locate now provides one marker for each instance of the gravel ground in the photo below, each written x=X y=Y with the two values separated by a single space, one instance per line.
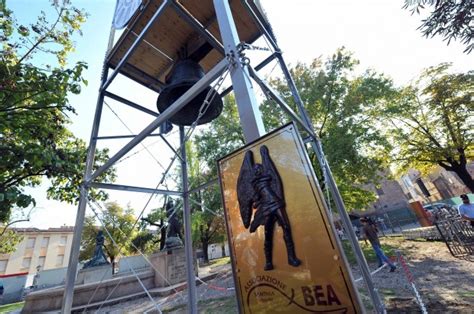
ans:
x=445 y=284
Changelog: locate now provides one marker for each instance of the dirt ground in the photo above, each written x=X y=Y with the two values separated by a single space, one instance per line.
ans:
x=445 y=285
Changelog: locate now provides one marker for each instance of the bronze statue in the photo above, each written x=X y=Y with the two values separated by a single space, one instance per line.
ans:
x=173 y=231
x=99 y=257
x=259 y=186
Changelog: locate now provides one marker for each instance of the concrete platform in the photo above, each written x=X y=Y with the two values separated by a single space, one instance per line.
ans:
x=50 y=300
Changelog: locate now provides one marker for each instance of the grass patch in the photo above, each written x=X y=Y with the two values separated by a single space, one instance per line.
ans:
x=389 y=250
x=219 y=261
x=466 y=294
x=11 y=307
x=388 y=292
x=222 y=305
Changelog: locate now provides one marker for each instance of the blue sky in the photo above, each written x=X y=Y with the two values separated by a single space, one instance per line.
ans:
x=379 y=33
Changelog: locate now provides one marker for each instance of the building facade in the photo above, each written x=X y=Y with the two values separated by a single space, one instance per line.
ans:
x=437 y=185
x=47 y=249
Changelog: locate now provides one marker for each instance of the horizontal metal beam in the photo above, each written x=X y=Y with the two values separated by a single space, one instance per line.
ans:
x=153 y=82
x=204 y=82
x=129 y=188
x=130 y=103
x=203 y=186
x=116 y=137
x=135 y=44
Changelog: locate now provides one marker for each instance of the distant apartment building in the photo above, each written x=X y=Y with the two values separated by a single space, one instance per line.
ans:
x=438 y=185
x=413 y=186
x=45 y=248
x=390 y=196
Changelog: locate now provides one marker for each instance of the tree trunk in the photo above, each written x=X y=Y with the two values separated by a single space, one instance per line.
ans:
x=162 y=235
x=465 y=177
x=205 y=245
x=223 y=249
x=113 y=262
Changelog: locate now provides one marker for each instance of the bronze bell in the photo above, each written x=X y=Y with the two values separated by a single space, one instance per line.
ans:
x=184 y=75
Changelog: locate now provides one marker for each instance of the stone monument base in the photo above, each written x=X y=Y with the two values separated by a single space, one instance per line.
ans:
x=170 y=267
x=91 y=294
x=94 y=274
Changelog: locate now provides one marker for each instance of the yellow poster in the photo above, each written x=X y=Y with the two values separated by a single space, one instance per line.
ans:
x=286 y=257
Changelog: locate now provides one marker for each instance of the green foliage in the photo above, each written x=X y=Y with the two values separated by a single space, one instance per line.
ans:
x=144 y=242
x=340 y=105
x=431 y=122
x=147 y=242
x=34 y=107
x=9 y=239
x=367 y=250
x=12 y=307
x=223 y=136
x=208 y=225
x=451 y=19
x=119 y=223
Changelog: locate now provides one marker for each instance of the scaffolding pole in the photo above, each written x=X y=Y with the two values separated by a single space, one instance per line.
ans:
x=188 y=241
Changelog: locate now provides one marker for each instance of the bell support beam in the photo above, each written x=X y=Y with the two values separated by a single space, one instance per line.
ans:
x=205 y=81
x=271 y=38
x=129 y=188
x=274 y=95
x=68 y=295
x=260 y=66
x=188 y=240
x=250 y=116
x=317 y=147
x=203 y=186
x=170 y=146
x=130 y=103
x=336 y=195
x=116 y=137
x=198 y=26
x=135 y=44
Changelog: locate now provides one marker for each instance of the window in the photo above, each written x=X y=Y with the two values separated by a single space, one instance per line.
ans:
x=45 y=242
x=41 y=260
x=30 y=243
x=3 y=265
x=59 y=260
x=26 y=262
x=63 y=241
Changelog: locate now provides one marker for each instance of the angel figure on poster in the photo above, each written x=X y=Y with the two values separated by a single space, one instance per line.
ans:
x=259 y=187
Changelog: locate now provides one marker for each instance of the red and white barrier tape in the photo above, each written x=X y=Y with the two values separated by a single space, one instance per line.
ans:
x=215 y=287
x=411 y=280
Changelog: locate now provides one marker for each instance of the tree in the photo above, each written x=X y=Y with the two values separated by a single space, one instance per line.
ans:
x=223 y=136
x=9 y=238
x=34 y=110
x=120 y=225
x=451 y=19
x=144 y=242
x=340 y=105
x=208 y=222
x=431 y=122
x=156 y=218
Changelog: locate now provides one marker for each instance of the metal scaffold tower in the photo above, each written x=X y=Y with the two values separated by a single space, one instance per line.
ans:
x=216 y=35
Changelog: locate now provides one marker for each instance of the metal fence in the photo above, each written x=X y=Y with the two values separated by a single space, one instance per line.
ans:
x=456 y=232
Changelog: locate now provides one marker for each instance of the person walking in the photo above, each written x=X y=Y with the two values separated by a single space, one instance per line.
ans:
x=466 y=209
x=369 y=230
